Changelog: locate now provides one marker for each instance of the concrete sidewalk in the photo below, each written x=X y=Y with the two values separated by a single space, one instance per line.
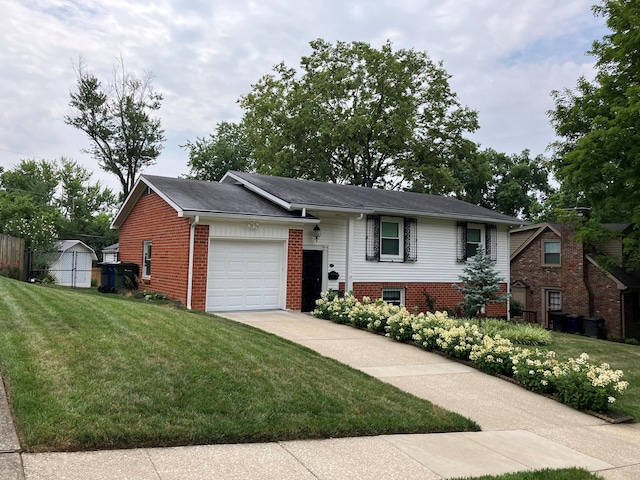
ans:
x=521 y=430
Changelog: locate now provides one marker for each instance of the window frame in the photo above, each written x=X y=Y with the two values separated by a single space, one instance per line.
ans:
x=488 y=240
x=394 y=289
x=479 y=244
x=147 y=249
x=557 y=301
x=386 y=257
x=544 y=261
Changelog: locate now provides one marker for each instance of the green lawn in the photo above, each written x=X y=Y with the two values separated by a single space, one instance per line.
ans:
x=560 y=474
x=91 y=372
x=620 y=356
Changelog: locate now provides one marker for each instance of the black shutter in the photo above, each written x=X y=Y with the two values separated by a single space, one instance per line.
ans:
x=373 y=238
x=491 y=242
x=410 y=240
x=461 y=242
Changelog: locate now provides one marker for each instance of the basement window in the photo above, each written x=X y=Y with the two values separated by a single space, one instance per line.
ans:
x=394 y=296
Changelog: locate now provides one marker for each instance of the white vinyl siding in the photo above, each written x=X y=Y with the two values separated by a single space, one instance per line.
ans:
x=436 y=256
x=334 y=242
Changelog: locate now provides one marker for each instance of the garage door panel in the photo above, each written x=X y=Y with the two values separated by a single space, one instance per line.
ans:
x=244 y=275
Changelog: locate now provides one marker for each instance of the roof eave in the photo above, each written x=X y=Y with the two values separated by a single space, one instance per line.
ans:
x=619 y=284
x=244 y=217
x=398 y=212
x=134 y=196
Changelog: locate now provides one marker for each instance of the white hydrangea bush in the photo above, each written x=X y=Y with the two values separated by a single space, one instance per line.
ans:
x=574 y=381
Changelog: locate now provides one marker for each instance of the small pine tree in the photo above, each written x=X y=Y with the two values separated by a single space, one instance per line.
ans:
x=480 y=284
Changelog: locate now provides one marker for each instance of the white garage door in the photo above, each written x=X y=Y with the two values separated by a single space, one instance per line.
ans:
x=244 y=275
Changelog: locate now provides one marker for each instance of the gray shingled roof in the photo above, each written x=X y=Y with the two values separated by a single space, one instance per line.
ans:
x=297 y=194
x=210 y=197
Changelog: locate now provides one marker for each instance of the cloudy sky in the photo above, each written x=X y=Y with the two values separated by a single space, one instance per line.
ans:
x=505 y=57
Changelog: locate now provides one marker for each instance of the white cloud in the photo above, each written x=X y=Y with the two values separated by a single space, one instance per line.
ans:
x=504 y=58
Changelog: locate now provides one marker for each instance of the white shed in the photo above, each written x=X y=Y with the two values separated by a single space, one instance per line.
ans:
x=111 y=254
x=72 y=266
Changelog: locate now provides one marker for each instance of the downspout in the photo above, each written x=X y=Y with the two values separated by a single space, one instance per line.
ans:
x=192 y=234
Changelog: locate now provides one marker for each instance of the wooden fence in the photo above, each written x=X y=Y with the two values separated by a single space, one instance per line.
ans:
x=11 y=257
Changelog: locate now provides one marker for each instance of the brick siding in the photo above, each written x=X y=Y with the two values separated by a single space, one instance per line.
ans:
x=443 y=293
x=584 y=290
x=294 y=270
x=152 y=219
x=200 y=267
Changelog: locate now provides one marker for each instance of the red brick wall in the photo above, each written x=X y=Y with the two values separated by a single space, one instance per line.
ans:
x=294 y=270
x=444 y=293
x=200 y=267
x=527 y=267
x=152 y=219
x=575 y=291
x=585 y=291
x=607 y=303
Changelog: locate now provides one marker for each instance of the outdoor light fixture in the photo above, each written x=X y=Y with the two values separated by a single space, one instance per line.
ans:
x=316 y=232
x=253 y=225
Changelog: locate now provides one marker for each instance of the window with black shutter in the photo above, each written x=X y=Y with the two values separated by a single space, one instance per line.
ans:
x=391 y=239
x=473 y=237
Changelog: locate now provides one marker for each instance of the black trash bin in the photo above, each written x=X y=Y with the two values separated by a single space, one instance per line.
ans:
x=115 y=276
x=593 y=327
x=558 y=321
x=126 y=276
x=574 y=323
x=107 y=277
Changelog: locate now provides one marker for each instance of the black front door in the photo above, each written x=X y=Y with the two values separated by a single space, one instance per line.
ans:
x=311 y=278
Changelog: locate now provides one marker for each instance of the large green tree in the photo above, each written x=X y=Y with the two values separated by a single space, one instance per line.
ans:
x=598 y=150
x=225 y=149
x=119 y=120
x=359 y=115
x=519 y=184
x=42 y=201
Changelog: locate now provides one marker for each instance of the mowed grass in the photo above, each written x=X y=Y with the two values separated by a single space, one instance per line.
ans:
x=95 y=372
x=559 y=474
x=620 y=356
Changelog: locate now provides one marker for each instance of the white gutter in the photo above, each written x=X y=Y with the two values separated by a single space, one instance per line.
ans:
x=192 y=232
x=245 y=218
x=409 y=213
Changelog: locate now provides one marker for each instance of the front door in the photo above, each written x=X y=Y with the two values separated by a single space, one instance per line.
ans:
x=311 y=278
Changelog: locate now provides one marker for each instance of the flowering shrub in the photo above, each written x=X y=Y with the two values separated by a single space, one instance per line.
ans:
x=458 y=341
x=536 y=370
x=576 y=382
x=493 y=355
x=372 y=314
x=331 y=306
x=399 y=325
x=585 y=386
x=424 y=329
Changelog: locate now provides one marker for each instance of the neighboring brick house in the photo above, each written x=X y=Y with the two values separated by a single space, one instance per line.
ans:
x=261 y=242
x=550 y=271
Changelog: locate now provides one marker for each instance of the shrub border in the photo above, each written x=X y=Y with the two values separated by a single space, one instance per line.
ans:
x=342 y=306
